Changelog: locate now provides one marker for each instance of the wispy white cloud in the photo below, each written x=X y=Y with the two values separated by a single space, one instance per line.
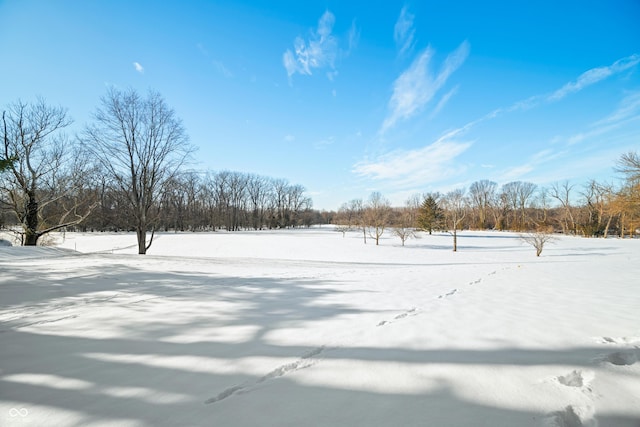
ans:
x=583 y=136
x=319 y=51
x=219 y=66
x=523 y=171
x=545 y=171
x=404 y=32
x=583 y=81
x=415 y=87
x=541 y=167
x=402 y=169
x=629 y=108
x=628 y=111
x=418 y=167
x=324 y=143
x=443 y=101
x=595 y=75
x=139 y=68
x=222 y=69
x=289 y=138
x=353 y=38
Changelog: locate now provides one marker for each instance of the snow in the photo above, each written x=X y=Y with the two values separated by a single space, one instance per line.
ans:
x=306 y=327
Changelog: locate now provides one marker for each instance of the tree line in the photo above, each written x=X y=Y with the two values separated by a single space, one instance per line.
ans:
x=126 y=170
x=591 y=210
x=210 y=201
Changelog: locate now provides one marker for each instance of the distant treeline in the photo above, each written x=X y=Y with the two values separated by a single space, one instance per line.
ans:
x=592 y=210
x=210 y=201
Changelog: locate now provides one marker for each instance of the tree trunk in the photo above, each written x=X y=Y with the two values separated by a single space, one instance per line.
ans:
x=31 y=220
x=30 y=238
x=141 y=233
x=455 y=240
x=606 y=228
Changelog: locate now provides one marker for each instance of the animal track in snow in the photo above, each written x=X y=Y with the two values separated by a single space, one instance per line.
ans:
x=571 y=416
x=577 y=378
x=225 y=393
x=635 y=341
x=572 y=379
x=304 y=361
x=448 y=294
x=622 y=358
x=407 y=313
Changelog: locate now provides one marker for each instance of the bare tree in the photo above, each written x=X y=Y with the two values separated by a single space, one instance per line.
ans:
x=542 y=201
x=280 y=189
x=482 y=194
x=525 y=191
x=44 y=179
x=404 y=224
x=629 y=195
x=358 y=208
x=594 y=215
x=538 y=239
x=377 y=215
x=455 y=206
x=501 y=210
x=141 y=144
x=518 y=194
x=412 y=206
x=258 y=194
x=562 y=193
x=510 y=194
x=629 y=165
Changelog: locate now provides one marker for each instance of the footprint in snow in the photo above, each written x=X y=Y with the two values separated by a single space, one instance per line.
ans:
x=447 y=294
x=572 y=416
x=305 y=361
x=622 y=358
x=577 y=378
x=635 y=341
x=405 y=314
x=399 y=316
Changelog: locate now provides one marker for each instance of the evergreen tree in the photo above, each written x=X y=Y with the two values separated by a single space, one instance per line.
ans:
x=431 y=215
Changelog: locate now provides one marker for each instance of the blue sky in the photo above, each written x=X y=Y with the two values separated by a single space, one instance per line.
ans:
x=347 y=98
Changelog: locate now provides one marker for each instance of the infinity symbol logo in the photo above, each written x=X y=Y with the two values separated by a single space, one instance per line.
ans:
x=18 y=412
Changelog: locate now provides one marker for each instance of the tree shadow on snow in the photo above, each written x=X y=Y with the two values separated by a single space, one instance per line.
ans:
x=149 y=367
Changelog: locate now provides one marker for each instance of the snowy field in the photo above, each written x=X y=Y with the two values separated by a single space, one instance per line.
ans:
x=307 y=328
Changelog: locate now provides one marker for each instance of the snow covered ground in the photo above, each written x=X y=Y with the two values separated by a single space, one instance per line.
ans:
x=307 y=328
